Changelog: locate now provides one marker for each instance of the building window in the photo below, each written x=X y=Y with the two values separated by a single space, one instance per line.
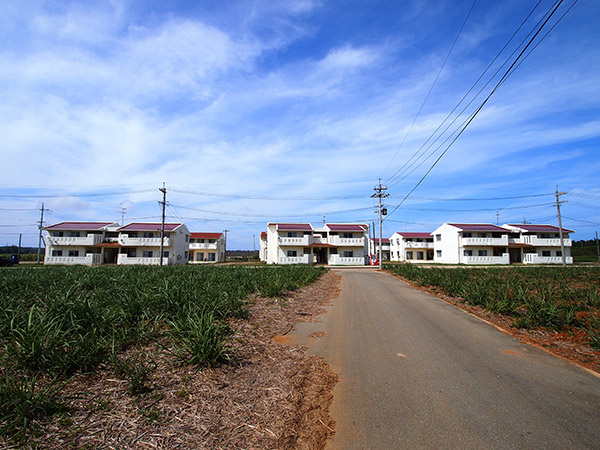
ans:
x=481 y=235
x=438 y=253
x=74 y=253
x=292 y=253
x=165 y=254
x=545 y=252
x=292 y=234
x=199 y=256
x=347 y=235
x=211 y=241
x=58 y=234
x=558 y=253
x=187 y=238
x=409 y=255
x=438 y=237
x=333 y=251
x=545 y=236
x=468 y=252
x=212 y=256
x=56 y=252
x=348 y=254
x=185 y=255
x=148 y=235
x=481 y=252
x=466 y=234
x=419 y=255
x=148 y=254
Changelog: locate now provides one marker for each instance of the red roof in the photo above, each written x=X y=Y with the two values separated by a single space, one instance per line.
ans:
x=347 y=227
x=383 y=241
x=91 y=226
x=149 y=227
x=292 y=226
x=540 y=228
x=479 y=227
x=263 y=234
x=415 y=235
x=206 y=235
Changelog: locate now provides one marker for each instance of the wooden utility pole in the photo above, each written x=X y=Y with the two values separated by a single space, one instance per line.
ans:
x=162 y=223
x=225 y=246
x=379 y=194
x=20 y=236
x=562 y=244
x=597 y=247
x=41 y=226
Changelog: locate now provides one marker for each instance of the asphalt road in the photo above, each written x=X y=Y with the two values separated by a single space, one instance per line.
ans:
x=418 y=373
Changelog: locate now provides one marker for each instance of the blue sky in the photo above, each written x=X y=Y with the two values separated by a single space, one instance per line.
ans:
x=256 y=111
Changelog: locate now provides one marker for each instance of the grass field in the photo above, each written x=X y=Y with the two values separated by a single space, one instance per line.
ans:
x=59 y=321
x=564 y=299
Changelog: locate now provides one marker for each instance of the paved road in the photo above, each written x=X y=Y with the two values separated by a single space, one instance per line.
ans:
x=418 y=373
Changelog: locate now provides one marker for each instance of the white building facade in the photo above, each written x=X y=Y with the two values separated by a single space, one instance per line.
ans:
x=207 y=248
x=139 y=243
x=331 y=244
x=385 y=249
x=538 y=244
x=411 y=247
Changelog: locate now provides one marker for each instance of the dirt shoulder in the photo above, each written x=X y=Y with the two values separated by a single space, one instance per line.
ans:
x=571 y=345
x=271 y=396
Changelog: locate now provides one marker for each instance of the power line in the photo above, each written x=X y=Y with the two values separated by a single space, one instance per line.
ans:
x=410 y=208
x=98 y=194
x=257 y=197
x=459 y=199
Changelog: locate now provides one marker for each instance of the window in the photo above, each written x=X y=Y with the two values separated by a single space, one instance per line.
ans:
x=185 y=255
x=56 y=252
x=333 y=251
x=468 y=252
x=187 y=238
x=419 y=255
x=74 y=253
x=292 y=234
x=292 y=253
x=212 y=256
x=481 y=252
x=211 y=241
x=438 y=237
x=466 y=234
x=347 y=235
x=545 y=252
x=347 y=254
x=481 y=235
x=148 y=234
x=148 y=254
x=58 y=234
x=558 y=253
x=165 y=254
x=438 y=253
x=199 y=256
x=409 y=255
x=397 y=241
x=545 y=236
x=74 y=234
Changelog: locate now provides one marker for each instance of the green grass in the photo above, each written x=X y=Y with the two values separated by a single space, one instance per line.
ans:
x=59 y=321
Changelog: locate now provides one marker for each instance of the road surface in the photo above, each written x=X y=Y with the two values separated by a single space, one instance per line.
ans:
x=416 y=372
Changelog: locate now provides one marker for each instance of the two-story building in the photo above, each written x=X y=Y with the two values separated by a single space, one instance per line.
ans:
x=332 y=244
x=470 y=243
x=411 y=247
x=538 y=244
x=94 y=243
x=207 y=248
x=85 y=243
x=262 y=254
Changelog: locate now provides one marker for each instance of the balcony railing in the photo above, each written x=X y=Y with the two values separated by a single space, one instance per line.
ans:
x=90 y=239
x=203 y=246
x=534 y=258
x=418 y=244
x=545 y=242
x=91 y=259
x=300 y=241
x=337 y=260
x=504 y=259
x=304 y=259
x=123 y=259
x=486 y=241
x=142 y=241
x=346 y=242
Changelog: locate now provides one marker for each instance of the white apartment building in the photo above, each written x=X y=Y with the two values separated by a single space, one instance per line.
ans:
x=262 y=254
x=470 y=243
x=385 y=248
x=207 y=248
x=411 y=247
x=86 y=243
x=139 y=243
x=331 y=244
x=538 y=244
x=95 y=243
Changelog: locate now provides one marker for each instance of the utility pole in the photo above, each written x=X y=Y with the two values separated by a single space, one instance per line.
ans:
x=372 y=245
x=379 y=194
x=41 y=226
x=225 y=249
x=562 y=244
x=122 y=210
x=497 y=217
x=254 y=242
x=20 y=236
x=162 y=223
x=597 y=247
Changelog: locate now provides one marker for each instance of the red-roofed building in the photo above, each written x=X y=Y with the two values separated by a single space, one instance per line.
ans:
x=207 y=248
x=385 y=248
x=411 y=247
x=538 y=244
x=301 y=243
x=140 y=244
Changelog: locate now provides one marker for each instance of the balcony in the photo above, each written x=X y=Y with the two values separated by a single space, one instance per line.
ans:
x=337 y=260
x=339 y=241
x=543 y=242
x=504 y=259
x=485 y=241
x=409 y=244
x=123 y=259
x=300 y=241
x=127 y=241
x=203 y=246
x=91 y=259
x=304 y=259
x=90 y=239
x=534 y=258
x=319 y=240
